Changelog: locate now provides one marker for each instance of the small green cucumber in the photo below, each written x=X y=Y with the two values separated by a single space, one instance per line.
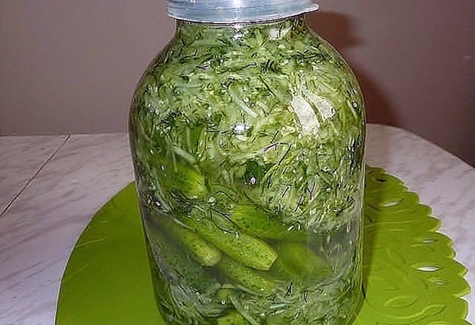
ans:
x=248 y=250
x=224 y=295
x=176 y=265
x=203 y=252
x=187 y=180
x=249 y=278
x=232 y=318
x=297 y=260
x=257 y=222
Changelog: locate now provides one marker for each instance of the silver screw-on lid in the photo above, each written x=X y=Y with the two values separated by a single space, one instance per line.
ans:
x=230 y=11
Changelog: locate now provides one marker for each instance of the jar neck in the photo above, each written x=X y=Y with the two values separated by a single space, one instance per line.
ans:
x=273 y=30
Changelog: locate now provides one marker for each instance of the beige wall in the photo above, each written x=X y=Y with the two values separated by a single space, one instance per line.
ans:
x=71 y=66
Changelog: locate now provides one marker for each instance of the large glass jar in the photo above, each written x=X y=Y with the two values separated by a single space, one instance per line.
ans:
x=247 y=133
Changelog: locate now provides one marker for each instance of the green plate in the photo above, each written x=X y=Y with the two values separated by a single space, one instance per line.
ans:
x=410 y=274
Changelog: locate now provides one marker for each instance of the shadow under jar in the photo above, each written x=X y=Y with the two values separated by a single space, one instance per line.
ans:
x=247 y=134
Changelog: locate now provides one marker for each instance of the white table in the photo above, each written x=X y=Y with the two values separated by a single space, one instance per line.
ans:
x=51 y=186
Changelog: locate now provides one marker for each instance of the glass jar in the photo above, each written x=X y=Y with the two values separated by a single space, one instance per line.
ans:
x=247 y=134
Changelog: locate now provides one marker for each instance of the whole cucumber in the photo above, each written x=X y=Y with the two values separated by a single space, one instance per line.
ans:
x=257 y=222
x=298 y=261
x=248 y=250
x=232 y=318
x=203 y=252
x=247 y=277
x=176 y=265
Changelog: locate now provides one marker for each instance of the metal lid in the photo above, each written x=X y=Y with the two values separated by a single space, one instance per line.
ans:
x=231 y=11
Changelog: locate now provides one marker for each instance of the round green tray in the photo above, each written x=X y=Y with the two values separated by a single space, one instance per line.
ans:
x=410 y=274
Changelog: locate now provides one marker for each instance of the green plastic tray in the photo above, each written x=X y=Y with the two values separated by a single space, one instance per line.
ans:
x=410 y=274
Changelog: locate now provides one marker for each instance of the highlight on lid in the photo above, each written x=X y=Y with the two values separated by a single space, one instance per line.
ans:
x=231 y=11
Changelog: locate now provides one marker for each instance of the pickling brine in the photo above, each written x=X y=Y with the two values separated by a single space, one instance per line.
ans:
x=248 y=147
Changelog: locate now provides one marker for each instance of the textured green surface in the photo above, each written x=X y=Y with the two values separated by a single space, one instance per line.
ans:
x=410 y=274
